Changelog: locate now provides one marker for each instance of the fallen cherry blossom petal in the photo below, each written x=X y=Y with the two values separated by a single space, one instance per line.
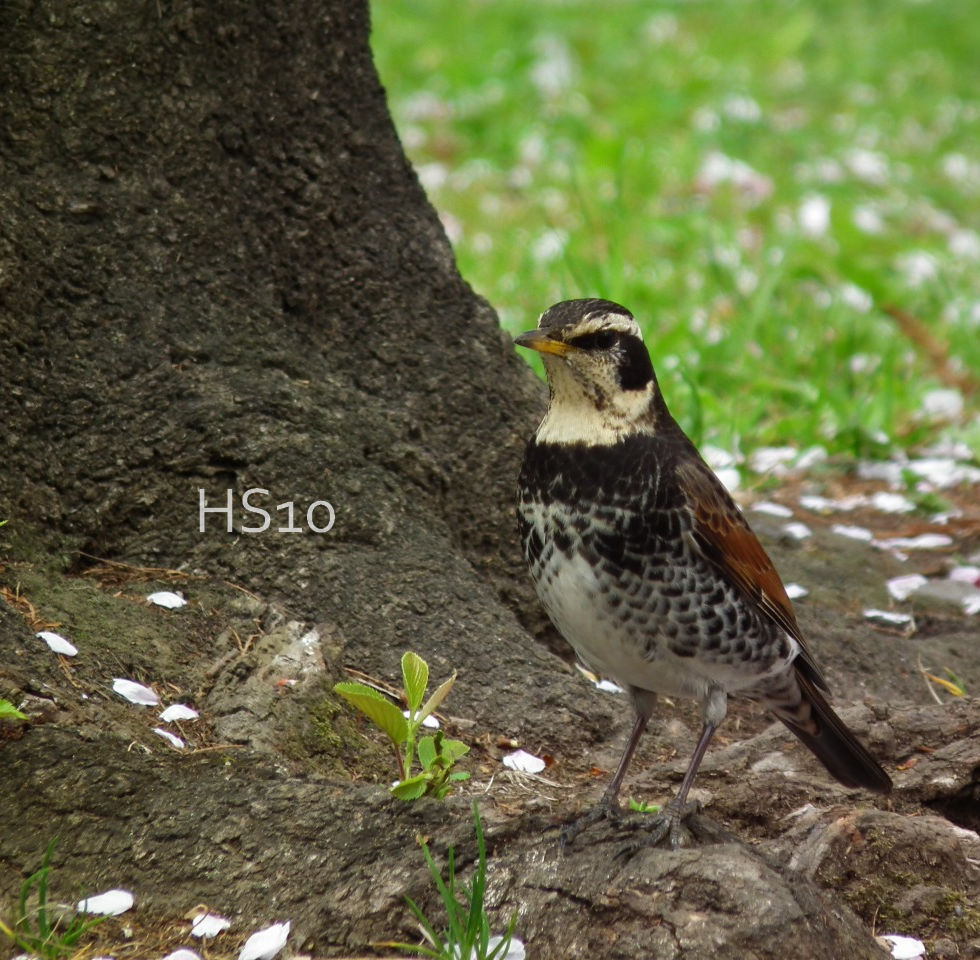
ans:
x=430 y=721
x=772 y=509
x=524 y=762
x=58 y=643
x=171 y=738
x=946 y=404
x=135 y=692
x=183 y=954
x=971 y=605
x=207 y=925
x=888 y=617
x=795 y=591
x=966 y=574
x=608 y=686
x=178 y=711
x=817 y=503
x=108 y=904
x=924 y=541
x=904 y=948
x=888 y=502
x=265 y=944
x=797 y=530
x=772 y=459
x=853 y=533
x=168 y=599
x=515 y=949
x=901 y=588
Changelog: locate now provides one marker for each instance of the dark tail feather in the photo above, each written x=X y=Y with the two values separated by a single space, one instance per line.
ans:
x=815 y=723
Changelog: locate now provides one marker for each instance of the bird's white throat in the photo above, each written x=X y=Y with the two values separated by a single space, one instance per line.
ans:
x=575 y=415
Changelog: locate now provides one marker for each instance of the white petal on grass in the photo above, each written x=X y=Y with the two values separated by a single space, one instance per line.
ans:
x=178 y=711
x=904 y=948
x=772 y=459
x=965 y=574
x=717 y=168
x=924 y=541
x=430 y=721
x=554 y=72
x=917 y=267
x=867 y=165
x=901 y=588
x=810 y=457
x=171 y=738
x=852 y=532
x=817 y=503
x=956 y=166
x=548 y=246
x=207 y=925
x=515 y=949
x=820 y=504
x=867 y=219
x=135 y=692
x=943 y=404
x=168 y=599
x=772 y=509
x=965 y=244
x=108 y=904
x=265 y=944
x=888 y=502
x=730 y=478
x=524 y=762
x=738 y=106
x=854 y=297
x=862 y=363
x=58 y=643
x=432 y=176
x=971 y=605
x=183 y=954
x=944 y=472
x=813 y=215
x=888 y=617
x=718 y=457
x=796 y=591
x=660 y=28
x=452 y=225
x=798 y=531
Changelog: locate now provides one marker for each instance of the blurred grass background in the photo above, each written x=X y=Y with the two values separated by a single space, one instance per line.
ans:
x=786 y=195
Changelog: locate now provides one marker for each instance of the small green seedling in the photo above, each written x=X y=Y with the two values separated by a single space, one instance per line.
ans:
x=38 y=930
x=641 y=806
x=9 y=712
x=467 y=934
x=436 y=753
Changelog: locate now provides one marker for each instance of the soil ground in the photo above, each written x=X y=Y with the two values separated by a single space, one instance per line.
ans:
x=276 y=808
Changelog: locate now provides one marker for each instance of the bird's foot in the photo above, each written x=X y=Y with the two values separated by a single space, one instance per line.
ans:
x=605 y=809
x=667 y=825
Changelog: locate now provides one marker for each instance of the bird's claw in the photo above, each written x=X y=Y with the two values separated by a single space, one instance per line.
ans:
x=663 y=825
x=605 y=809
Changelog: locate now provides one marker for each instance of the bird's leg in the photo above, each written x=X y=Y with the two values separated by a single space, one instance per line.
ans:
x=668 y=821
x=607 y=807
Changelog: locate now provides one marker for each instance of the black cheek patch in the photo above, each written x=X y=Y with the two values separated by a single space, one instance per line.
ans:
x=635 y=368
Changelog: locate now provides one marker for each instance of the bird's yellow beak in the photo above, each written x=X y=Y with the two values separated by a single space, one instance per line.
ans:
x=540 y=341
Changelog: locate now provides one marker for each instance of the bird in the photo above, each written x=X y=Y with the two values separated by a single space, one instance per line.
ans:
x=647 y=567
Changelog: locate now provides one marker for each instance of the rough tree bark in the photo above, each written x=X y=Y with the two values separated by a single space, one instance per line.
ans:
x=218 y=271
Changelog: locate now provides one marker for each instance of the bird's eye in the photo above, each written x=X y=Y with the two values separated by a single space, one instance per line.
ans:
x=602 y=340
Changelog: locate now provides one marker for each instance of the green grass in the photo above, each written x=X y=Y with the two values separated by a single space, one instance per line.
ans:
x=565 y=143
x=38 y=927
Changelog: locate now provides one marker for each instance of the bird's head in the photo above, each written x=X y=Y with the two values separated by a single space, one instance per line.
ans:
x=600 y=377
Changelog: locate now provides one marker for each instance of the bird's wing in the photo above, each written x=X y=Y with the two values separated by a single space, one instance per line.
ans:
x=725 y=539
